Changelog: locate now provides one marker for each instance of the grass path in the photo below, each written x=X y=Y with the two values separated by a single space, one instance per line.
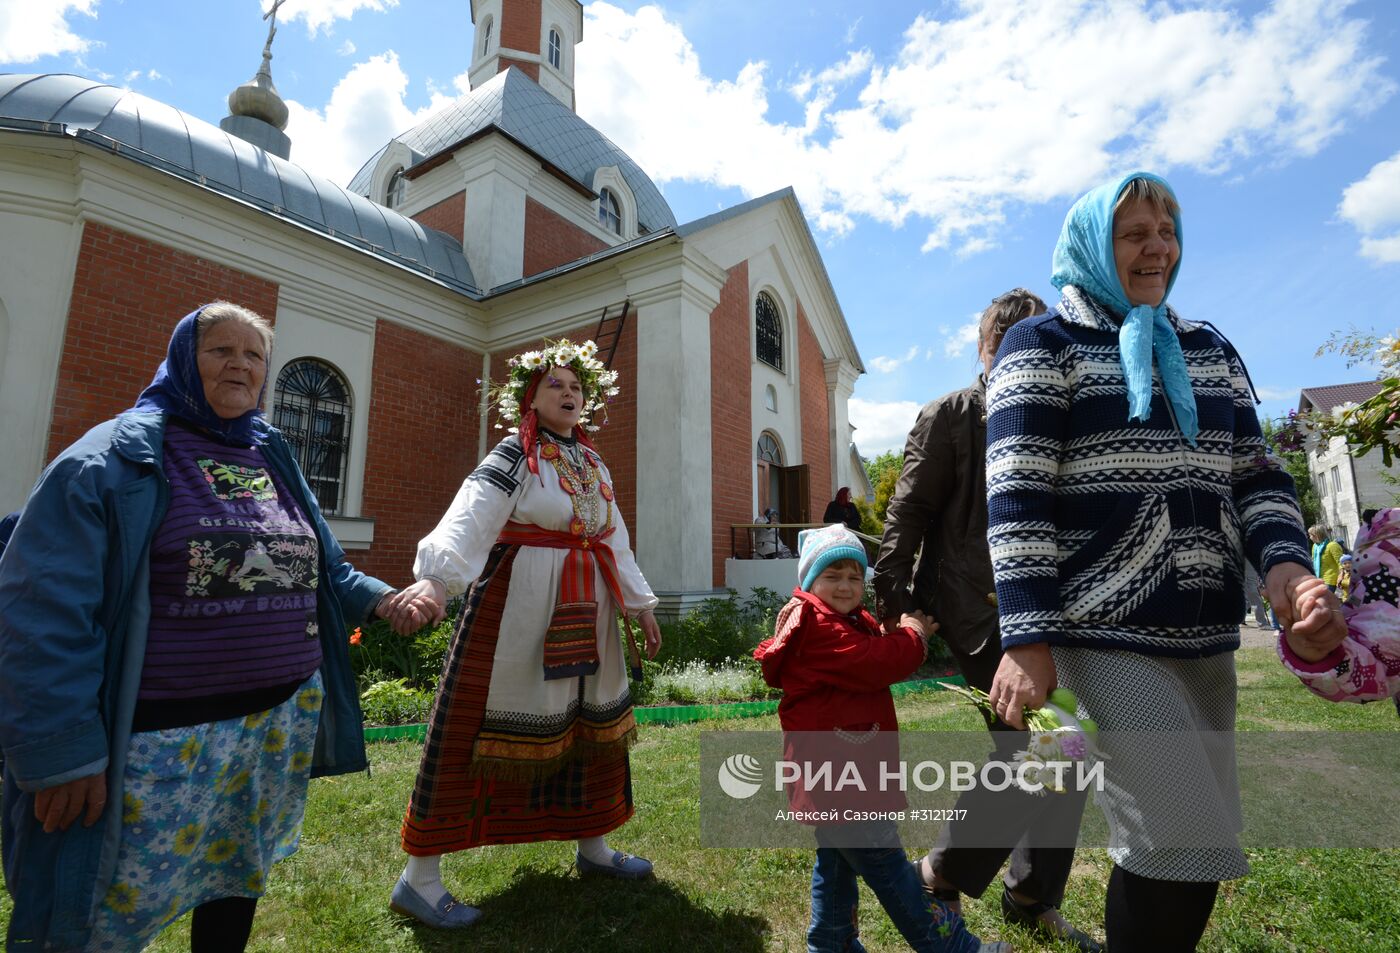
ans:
x=332 y=895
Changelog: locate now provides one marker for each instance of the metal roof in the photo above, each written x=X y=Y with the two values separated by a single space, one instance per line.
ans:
x=517 y=106
x=167 y=139
x=1328 y=398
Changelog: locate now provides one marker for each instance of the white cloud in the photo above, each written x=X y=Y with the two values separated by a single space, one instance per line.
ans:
x=321 y=14
x=1277 y=393
x=366 y=110
x=881 y=425
x=1372 y=204
x=346 y=49
x=956 y=129
x=957 y=340
x=886 y=365
x=135 y=74
x=30 y=29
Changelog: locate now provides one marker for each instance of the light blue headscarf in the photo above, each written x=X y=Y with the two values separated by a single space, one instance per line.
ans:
x=1084 y=258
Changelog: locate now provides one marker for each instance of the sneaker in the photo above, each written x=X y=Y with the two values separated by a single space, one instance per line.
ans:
x=1030 y=915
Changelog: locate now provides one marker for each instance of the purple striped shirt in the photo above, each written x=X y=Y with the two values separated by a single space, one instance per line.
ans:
x=233 y=577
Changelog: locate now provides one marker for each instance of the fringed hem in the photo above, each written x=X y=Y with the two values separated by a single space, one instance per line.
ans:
x=582 y=749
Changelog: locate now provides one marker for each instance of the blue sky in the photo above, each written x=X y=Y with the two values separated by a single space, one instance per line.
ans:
x=935 y=147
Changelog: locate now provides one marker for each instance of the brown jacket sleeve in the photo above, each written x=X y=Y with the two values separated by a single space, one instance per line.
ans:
x=919 y=495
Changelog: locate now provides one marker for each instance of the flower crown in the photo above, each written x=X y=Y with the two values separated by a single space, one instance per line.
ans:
x=599 y=383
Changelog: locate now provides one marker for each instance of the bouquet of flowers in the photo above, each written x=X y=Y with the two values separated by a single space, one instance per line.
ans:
x=1057 y=735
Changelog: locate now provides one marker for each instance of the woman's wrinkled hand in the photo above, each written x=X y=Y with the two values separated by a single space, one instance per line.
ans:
x=1311 y=615
x=408 y=610
x=651 y=630
x=1024 y=679
x=59 y=806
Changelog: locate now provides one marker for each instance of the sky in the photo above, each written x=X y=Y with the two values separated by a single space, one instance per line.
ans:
x=934 y=147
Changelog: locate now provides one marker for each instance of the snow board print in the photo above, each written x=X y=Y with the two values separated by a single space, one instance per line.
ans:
x=237 y=564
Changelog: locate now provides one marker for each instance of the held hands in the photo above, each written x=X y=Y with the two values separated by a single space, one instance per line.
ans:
x=1310 y=614
x=1025 y=677
x=923 y=626
x=59 y=806
x=408 y=610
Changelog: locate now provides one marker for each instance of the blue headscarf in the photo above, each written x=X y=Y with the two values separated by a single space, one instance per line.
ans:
x=177 y=389
x=1084 y=258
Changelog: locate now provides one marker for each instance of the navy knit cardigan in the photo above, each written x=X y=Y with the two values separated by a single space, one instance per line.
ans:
x=1119 y=534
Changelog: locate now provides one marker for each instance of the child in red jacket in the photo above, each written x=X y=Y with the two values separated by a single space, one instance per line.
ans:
x=835 y=667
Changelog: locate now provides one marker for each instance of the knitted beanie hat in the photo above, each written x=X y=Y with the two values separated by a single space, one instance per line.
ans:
x=819 y=548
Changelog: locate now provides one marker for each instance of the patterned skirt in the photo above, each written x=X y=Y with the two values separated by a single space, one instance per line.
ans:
x=1171 y=793
x=461 y=799
x=206 y=811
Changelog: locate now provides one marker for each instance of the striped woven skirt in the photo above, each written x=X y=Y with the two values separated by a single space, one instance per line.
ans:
x=500 y=777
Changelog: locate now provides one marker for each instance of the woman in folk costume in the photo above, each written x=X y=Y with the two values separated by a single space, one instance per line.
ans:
x=528 y=736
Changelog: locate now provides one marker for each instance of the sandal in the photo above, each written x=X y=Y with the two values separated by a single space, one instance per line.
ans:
x=1029 y=915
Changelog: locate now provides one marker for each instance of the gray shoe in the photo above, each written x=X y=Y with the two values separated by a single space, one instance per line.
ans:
x=448 y=914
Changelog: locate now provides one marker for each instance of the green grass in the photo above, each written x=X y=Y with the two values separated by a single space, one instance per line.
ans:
x=332 y=895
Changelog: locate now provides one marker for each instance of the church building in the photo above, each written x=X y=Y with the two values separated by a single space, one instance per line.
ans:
x=501 y=221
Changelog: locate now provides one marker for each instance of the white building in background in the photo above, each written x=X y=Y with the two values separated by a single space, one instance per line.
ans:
x=1346 y=485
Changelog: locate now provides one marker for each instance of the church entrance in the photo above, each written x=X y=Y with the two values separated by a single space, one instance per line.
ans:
x=783 y=489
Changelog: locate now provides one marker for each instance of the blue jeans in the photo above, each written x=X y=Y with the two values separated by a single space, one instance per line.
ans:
x=926 y=924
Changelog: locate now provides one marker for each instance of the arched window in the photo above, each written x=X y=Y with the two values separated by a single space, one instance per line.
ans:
x=770 y=331
x=609 y=212
x=768 y=449
x=311 y=406
x=556 y=43
x=486 y=37
x=398 y=188
x=770 y=398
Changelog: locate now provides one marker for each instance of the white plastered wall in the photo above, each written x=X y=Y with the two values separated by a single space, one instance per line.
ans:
x=766 y=274
x=39 y=240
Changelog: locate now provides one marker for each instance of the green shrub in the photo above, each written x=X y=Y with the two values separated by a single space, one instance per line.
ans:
x=380 y=654
x=721 y=628
x=392 y=702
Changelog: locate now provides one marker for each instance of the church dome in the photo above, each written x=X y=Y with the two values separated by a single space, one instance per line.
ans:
x=164 y=138
x=514 y=104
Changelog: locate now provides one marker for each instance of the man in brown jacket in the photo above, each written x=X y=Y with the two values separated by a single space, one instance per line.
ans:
x=934 y=558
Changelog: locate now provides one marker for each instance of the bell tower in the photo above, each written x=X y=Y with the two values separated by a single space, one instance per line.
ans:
x=538 y=37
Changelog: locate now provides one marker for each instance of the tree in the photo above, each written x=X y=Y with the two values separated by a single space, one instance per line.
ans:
x=883 y=472
x=1296 y=463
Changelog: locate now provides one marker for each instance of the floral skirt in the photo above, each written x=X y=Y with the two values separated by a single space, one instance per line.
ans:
x=206 y=811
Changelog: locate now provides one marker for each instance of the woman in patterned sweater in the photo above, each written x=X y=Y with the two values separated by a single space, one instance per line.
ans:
x=1122 y=505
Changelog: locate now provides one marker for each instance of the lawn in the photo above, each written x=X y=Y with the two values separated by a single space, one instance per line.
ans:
x=332 y=895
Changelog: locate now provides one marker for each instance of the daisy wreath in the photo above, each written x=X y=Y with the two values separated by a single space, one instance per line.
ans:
x=513 y=397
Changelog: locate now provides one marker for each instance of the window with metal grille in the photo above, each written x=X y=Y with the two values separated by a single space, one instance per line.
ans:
x=609 y=212
x=556 y=44
x=770 y=331
x=398 y=187
x=311 y=406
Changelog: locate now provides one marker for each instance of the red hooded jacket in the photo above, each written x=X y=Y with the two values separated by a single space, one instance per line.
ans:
x=835 y=671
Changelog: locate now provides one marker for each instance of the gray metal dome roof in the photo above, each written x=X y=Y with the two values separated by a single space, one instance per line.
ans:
x=516 y=105
x=165 y=138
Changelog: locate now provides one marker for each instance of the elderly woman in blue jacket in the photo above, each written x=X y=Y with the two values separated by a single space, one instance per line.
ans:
x=173 y=663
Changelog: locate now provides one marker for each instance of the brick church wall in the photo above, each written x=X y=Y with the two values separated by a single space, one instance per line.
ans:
x=520 y=25
x=816 y=422
x=128 y=294
x=731 y=414
x=531 y=70
x=552 y=240
x=447 y=216
x=422 y=443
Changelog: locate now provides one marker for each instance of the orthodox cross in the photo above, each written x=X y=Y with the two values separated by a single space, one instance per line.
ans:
x=271 y=16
